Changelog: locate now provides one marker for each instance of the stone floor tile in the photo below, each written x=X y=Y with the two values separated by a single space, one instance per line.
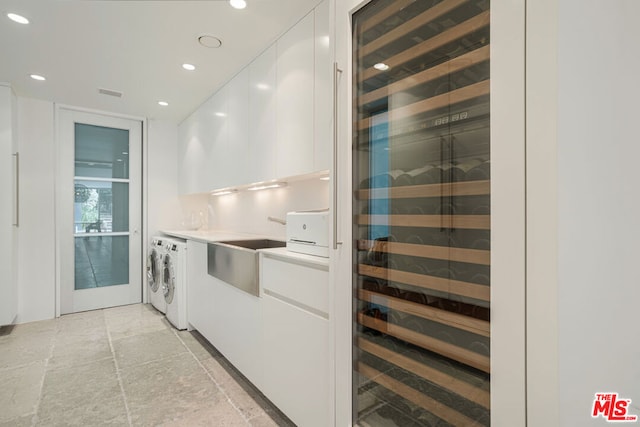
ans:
x=167 y=390
x=147 y=347
x=24 y=421
x=80 y=348
x=103 y=412
x=263 y=421
x=83 y=386
x=18 y=349
x=195 y=343
x=20 y=390
x=220 y=414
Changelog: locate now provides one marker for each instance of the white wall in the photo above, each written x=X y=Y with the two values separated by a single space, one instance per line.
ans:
x=599 y=205
x=247 y=211
x=163 y=207
x=36 y=235
x=36 y=253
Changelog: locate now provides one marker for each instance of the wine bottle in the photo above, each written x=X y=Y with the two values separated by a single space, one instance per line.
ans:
x=480 y=172
x=460 y=170
x=429 y=174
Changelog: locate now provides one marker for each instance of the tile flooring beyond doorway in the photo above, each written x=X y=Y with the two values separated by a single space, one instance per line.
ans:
x=123 y=366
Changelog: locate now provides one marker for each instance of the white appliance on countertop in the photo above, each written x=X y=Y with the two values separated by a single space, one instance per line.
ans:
x=155 y=264
x=308 y=232
x=174 y=281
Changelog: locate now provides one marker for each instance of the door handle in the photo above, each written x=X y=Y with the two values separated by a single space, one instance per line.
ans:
x=16 y=189
x=336 y=73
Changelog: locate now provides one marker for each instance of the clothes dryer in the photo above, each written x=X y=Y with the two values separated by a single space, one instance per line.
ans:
x=174 y=282
x=155 y=264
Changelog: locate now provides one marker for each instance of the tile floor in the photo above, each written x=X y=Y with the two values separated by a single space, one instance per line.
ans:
x=124 y=366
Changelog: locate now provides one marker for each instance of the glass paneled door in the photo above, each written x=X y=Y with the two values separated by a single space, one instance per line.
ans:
x=99 y=211
x=421 y=164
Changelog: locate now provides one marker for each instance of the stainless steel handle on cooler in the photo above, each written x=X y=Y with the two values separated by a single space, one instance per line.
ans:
x=336 y=72
x=16 y=189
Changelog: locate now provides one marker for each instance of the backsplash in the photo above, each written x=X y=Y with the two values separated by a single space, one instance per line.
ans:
x=247 y=211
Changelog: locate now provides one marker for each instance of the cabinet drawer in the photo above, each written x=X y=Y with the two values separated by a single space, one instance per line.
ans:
x=301 y=284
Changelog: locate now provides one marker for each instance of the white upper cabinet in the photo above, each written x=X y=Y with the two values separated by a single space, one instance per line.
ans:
x=323 y=90
x=238 y=129
x=294 y=99
x=262 y=117
x=272 y=120
x=215 y=114
x=191 y=157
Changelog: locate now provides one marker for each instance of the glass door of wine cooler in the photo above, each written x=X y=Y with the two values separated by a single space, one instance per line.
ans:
x=421 y=178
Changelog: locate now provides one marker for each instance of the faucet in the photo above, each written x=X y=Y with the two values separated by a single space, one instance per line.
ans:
x=278 y=220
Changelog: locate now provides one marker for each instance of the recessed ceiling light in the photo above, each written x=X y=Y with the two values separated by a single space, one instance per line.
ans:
x=210 y=41
x=118 y=160
x=238 y=4
x=189 y=67
x=324 y=178
x=17 y=18
x=262 y=86
x=125 y=153
x=219 y=114
x=381 y=66
x=37 y=77
x=163 y=103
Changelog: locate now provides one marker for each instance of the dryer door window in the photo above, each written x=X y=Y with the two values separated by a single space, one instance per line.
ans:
x=169 y=281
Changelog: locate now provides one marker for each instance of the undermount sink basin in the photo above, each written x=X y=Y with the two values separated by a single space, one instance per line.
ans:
x=236 y=261
x=256 y=244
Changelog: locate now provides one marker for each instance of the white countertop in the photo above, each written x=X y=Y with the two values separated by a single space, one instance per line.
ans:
x=212 y=236
x=295 y=256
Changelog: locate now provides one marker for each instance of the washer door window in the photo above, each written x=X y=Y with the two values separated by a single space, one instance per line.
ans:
x=153 y=276
x=169 y=281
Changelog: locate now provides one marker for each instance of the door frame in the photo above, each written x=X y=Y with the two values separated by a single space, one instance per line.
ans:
x=144 y=182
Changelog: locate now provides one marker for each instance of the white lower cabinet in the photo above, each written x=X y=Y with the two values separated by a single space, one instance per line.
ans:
x=226 y=316
x=280 y=341
x=296 y=344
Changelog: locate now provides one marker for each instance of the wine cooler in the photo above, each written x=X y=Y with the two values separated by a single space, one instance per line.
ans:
x=421 y=177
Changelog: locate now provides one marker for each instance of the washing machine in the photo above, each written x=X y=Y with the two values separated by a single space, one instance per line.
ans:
x=174 y=280
x=155 y=264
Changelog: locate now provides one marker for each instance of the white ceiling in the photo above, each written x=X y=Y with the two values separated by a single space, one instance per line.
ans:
x=136 y=47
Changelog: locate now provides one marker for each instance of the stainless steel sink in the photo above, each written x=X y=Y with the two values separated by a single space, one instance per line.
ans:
x=236 y=262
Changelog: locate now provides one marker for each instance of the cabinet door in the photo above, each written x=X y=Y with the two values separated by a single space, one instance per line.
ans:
x=238 y=129
x=8 y=302
x=262 y=117
x=296 y=362
x=323 y=90
x=191 y=155
x=234 y=322
x=294 y=100
x=213 y=118
x=199 y=292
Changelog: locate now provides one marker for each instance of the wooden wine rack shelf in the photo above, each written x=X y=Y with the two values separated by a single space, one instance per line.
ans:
x=456 y=287
x=476 y=222
x=442 y=411
x=456 y=96
x=458 y=321
x=454 y=65
x=473 y=256
x=444 y=380
x=435 y=345
x=400 y=31
x=469 y=26
x=395 y=7
x=465 y=188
